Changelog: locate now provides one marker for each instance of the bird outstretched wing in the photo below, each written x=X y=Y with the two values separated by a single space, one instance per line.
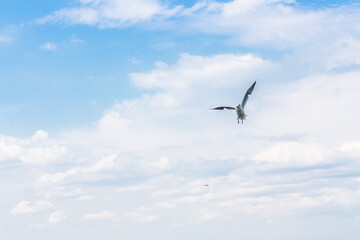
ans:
x=248 y=92
x=222 y=108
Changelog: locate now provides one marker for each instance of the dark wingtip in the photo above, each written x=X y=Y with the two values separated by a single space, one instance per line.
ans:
x=252 y=86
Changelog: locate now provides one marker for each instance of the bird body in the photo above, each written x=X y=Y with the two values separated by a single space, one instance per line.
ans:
x=240 y=112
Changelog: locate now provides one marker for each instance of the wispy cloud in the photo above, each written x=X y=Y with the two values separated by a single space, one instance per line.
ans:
x=133 y=188
x=110 y=13
x=6 y=39
x=142 y=215
x=100 y=215
x=8 y=34
x=49 y=46
x=106 y=164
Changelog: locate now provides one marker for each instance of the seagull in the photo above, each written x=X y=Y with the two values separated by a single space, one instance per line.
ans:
x=239 y=108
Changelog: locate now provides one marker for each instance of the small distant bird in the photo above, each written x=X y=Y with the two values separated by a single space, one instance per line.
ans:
x=239 y=108
x=206 y=185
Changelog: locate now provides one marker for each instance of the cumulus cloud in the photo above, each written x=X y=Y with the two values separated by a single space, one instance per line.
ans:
x=219 y=70
x=29 y=207
x=39 y=135
x=162 y=164
x=37 y=149
x=56 y=217
x=164 y=146
x=274 y=164
x=316 y=105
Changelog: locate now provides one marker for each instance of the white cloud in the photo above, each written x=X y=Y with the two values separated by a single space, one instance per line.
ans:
x=160 y=65
x=205 y=214
x=38 y=149
x=85 y=197
x=350 y=146
x=344 y=52
x=319 y=106
x=290 y=157
x=133 y=188
x=142 y=215
x=85 y=173
x=182 y=145
x=111 y=13
x=100 y=215
x=237 y=7
x=276 y=163
x=8 y=151
x=56 y=217
x=49 y=46
x=63 y=192
x=292 y=153
x=76 y=40
x=82 y=15
x=39 y=135
x=276 y=24
x=279 y=24
x=42 y=155
x=135 y=61
x=198 y=6
x=104 y=164
x=218 y=70
x=56 y=178
x=28 y=207
x=162 y=164
x=190 y=80
x=6 y=39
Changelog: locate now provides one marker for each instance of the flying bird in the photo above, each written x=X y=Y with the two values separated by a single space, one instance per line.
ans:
x=240 y=107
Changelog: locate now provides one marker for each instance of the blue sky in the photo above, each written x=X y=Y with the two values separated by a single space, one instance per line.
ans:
x=68 y=77
x=105 y=127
